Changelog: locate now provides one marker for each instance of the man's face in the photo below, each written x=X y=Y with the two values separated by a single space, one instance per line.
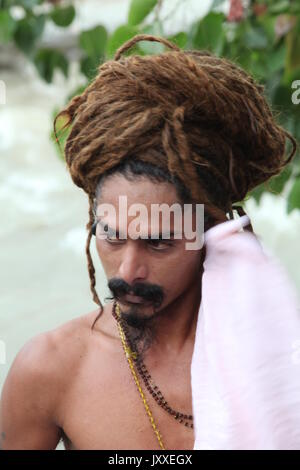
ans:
x=161 y=269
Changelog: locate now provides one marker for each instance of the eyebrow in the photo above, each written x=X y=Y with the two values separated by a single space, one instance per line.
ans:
x=160 y=236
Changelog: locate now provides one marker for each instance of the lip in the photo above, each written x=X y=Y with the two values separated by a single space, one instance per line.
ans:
x=134 y=299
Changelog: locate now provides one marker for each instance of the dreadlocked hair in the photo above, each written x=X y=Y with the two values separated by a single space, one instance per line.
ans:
x=199 y=118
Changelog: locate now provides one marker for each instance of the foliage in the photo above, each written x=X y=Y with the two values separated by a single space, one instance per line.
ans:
x=263 y=38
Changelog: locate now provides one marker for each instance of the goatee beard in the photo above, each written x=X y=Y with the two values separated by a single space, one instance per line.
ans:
x=140 y=332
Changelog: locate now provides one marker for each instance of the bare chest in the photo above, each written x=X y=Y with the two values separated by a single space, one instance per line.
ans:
x=103 y=408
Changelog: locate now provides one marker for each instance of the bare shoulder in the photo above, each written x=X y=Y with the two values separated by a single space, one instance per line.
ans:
x=36 y=358
x=36 y=382
x=52 y=355
x=40 y=366
x=51 y=352
x=29 y=397
x=55 y=353
x=63 y=347
x=48 y=358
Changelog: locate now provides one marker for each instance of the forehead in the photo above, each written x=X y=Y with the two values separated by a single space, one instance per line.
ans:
x=138 y=190
x=145 y=206
x=151 y=205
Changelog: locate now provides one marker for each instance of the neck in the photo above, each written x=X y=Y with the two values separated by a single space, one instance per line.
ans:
x=176 y=327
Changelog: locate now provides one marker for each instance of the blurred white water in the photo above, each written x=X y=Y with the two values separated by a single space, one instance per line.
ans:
x=43 y=215
x=43 y=276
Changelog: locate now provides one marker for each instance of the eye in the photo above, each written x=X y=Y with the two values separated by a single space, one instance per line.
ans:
x=108 y=235
x=159 y=245
x=112 y=238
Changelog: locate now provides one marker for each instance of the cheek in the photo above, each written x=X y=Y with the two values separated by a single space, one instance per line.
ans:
x=177 y=273
x=186 y=271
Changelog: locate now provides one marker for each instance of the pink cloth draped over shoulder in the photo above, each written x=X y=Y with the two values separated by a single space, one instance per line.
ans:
x=245 y=369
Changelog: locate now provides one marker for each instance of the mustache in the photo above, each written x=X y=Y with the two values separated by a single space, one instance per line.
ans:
x=149 y=292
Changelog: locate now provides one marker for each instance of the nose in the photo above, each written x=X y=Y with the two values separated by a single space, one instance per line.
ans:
x=133 y=266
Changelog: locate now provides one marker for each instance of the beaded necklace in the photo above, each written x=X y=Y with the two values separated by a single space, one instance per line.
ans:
x=129 y=355
x=187 y=420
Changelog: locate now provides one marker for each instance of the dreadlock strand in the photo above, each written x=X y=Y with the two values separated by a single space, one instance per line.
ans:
x=90 y=264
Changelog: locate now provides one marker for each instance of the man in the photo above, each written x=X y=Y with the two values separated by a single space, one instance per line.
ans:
x=175 y=128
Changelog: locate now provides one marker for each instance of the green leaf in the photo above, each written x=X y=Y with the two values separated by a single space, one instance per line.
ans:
x=289 y=78
x=63 y=16
x=268 y=24
x=294 y=196
x=89 y=66
x=47 y=60
x=28 y=30
x=282 y=6
x=94 y=42
x=255 y=38
x=180 y=39
x=210 y=34
x=294 y=9
x=148 y=47
x=276 y=60
x=293 y=47
x=257 y=192
x=62 y=134
x=282 y=96
x=272 y=83
x=121 y=34
x=297 y=127
x=7 y=26
x=258 y=65
x=277 y=183
x=139 y=9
